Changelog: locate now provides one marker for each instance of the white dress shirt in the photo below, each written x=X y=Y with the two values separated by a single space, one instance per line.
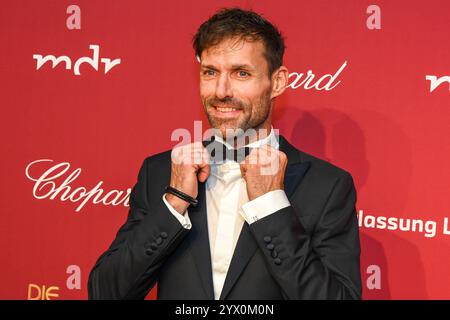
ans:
x=228 y=207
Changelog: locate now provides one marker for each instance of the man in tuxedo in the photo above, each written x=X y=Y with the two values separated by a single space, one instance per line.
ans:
x=244 y=215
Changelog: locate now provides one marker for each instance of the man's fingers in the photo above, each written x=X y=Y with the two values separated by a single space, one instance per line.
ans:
x=194 y=153
x=204 y=172
x=243 y=168
x=204 y=168
x=259 y=156
x=266 y=159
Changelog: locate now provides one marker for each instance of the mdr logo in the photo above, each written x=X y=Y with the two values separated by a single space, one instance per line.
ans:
x=73 y=22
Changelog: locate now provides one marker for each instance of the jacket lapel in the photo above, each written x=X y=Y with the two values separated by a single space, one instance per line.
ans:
x=199 y=242
x=246 y=245
x=245 y=249
x=293 y=176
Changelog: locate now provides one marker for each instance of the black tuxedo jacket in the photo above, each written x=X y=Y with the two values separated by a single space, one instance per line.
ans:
x=314 y=254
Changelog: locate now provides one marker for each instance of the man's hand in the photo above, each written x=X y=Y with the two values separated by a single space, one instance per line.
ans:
x=189 y=164
x=263 y=170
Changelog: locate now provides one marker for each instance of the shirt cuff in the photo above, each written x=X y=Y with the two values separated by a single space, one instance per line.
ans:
x=264 y=205
x=184 y=219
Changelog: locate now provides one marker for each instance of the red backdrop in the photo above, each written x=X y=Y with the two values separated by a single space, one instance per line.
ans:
x=377 y=116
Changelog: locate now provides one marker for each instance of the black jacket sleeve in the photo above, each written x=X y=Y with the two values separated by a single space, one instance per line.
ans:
x=129 y=268
x=324 y=264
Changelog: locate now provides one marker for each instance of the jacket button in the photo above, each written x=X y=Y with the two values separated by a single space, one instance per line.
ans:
x=163 y=235
x=159 y=241
x=277 y=261
x=267 y=239
x=274 y=254
x=149 y=252
x=270 y=246
x=153 y=246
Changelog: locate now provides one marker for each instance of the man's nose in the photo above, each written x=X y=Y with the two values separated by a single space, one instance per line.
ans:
x=223 y=87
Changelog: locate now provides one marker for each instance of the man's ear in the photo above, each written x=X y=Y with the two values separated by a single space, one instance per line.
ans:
x=279 y=81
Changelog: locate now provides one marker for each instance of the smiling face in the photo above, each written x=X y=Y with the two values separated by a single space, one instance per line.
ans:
x=235 y=86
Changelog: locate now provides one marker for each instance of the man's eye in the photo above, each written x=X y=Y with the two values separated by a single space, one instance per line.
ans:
x=209 y=72
x=243 y=74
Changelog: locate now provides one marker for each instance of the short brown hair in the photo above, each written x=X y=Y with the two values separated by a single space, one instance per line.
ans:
x=244 y=24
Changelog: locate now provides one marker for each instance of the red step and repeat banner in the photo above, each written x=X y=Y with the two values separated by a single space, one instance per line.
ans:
x=89 y=88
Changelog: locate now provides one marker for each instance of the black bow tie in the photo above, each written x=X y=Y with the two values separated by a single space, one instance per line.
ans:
x=219 y=152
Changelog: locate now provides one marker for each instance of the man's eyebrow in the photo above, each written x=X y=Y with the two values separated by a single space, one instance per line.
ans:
x=233 y=67
x=241 y=66
x=208 y=66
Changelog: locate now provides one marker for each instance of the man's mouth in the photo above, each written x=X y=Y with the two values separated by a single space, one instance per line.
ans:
x=226 y=112
x=226 y=109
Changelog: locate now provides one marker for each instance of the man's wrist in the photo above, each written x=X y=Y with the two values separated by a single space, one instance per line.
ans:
x=253 y=196
x=178 y=204
x=264 y=205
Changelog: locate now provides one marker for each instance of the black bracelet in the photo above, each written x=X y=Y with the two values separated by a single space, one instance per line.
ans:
x=182 y=195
